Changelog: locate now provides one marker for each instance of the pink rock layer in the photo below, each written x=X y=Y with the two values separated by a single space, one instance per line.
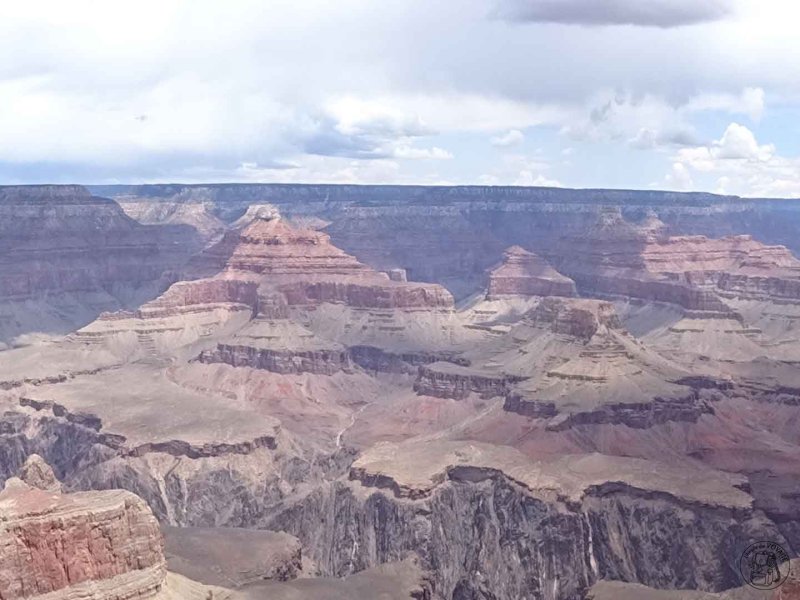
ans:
x=51 y=541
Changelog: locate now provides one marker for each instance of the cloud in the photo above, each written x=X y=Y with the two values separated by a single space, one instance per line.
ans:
x=679 y=178
x=436 y=153
x=738 y=142
x=512 y=138
x=740 y=164
x=527 y=178
x=750 y=102
x=645 y=13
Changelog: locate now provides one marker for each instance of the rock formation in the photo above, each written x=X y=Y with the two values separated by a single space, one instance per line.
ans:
x=522 y=273
x=93 y=545
x=72 y=255
x=618 y=258
x=488 y=521
x=307 y=420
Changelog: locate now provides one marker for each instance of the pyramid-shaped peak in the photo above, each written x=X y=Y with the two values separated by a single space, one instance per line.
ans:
x=523 y=273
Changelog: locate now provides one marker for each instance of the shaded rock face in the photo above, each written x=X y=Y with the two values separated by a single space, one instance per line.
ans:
x=60 y=240
x=485 y=538
x=93 y=545
x=377 y=359
x=444 y=380
x=578 y=318
x=523 y=273
x=38 y=474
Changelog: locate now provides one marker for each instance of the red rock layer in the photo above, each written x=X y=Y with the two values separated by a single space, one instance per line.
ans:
x=51 y=542
x=303 y=265
x=523 y=273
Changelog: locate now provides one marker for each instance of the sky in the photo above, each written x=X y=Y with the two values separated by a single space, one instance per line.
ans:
x=644 y=94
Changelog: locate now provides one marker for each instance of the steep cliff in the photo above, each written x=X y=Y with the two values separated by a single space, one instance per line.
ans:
x=73 y=254
x=92 y=545
x=490 y=523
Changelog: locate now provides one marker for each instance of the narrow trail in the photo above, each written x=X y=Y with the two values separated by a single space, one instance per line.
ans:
x=353 y=418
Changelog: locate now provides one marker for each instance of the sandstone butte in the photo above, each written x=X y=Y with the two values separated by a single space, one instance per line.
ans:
x=303 y=265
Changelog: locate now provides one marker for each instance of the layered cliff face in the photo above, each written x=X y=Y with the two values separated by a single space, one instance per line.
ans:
x=490 y=523
x=93 y=545
x=451 y=235
x=71 y=255
x=619 y=258
x=256 y=395
x=304 y=266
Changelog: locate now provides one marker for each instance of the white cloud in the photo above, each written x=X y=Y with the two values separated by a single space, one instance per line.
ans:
x=528 y=178
x=741 y=165
x=512 y=138
x=679 y=178
x=204 y=87
x=738 y=142
x=404 y=151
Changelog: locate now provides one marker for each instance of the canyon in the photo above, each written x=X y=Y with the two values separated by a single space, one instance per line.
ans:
x=242 y=392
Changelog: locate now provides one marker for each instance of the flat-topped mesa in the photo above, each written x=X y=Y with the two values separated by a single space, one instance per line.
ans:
x=581 y=318
x=89 y=545
x=523 y=273
x=414 y=469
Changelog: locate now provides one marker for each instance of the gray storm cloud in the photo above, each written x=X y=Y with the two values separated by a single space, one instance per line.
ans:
x=645 y=13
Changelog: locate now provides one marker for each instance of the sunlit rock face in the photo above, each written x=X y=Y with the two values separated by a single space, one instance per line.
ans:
x=88 y=545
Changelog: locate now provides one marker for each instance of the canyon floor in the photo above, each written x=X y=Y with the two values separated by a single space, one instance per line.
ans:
x=258 y=392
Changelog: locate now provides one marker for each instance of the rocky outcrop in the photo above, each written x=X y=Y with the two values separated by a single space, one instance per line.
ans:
x=92 y=545
x=38 y=474
x=274 y=342
x=523 y=273
x=578 y=318
x=640 y=415
x=321 y=362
